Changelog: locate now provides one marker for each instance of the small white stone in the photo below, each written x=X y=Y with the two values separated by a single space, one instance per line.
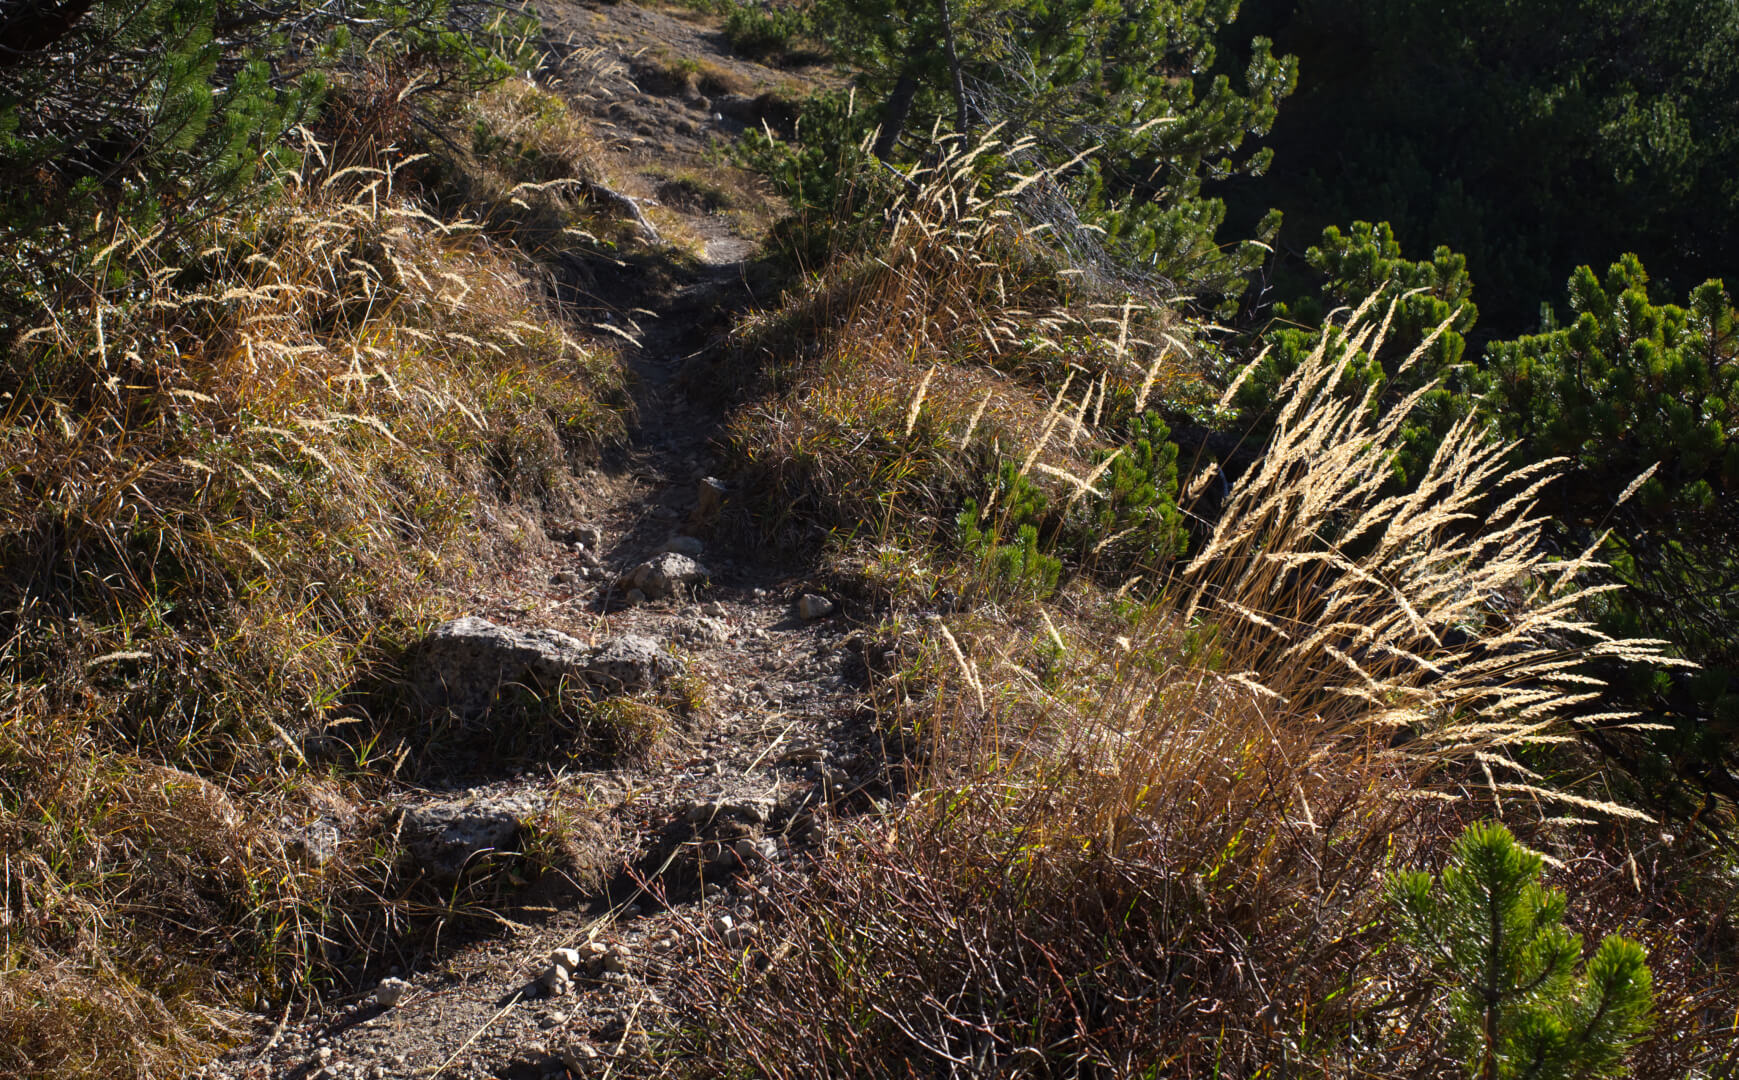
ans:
x=390 y=992
x=568 y=959
x=811 y=606
x=593 y=950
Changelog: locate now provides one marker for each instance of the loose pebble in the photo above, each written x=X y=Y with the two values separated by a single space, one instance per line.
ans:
x=390 y=992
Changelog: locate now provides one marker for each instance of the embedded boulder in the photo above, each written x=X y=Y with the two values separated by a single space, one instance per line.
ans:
x=462 y=665
x=664 y=575
x=449 y=837
x=630 y=662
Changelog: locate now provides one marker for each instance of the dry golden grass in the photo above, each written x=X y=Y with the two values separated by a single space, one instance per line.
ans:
x=961 y=299
x=1153 y=842
x=534 y=173
x=226 y=499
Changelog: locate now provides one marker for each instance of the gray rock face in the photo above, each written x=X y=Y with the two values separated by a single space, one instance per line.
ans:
x=702 y=628
x=463 y=664
x=445 y=838
x=664 y=574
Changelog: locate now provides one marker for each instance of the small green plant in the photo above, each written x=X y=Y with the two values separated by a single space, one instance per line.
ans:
x=1520 y=1008
x=1137 y=522
x=1018 y=566
x=819 y=169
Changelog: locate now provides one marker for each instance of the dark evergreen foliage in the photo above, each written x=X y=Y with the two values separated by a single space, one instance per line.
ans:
x=1532 y=137
x=1630 y=386
x=1137 y=523
x=1363 y=262
x=1625 y=386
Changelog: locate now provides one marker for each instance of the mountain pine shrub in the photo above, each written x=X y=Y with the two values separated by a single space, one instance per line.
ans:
x=121 y=119
x=1522 y=1005
x=135 y=111
x=1634 y=394
x=1532 y=137
x=1425 y=347
x=1017 y=565
x=1137 y=521
x=1640 y=397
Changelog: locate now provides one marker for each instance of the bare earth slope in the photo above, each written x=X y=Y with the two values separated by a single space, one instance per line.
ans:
x=776 y=750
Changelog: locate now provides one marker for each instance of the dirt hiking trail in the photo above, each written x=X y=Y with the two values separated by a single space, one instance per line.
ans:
x=778 y=753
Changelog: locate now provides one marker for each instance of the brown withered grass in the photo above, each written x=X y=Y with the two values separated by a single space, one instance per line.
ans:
x=225 y=499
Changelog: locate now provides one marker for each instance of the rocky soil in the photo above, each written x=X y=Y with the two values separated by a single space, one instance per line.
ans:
x=648 y=586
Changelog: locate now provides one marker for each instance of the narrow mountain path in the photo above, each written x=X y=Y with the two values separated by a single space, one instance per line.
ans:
x=777 y=747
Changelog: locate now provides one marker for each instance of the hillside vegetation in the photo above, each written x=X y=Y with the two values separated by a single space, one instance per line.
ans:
x=1263 y=682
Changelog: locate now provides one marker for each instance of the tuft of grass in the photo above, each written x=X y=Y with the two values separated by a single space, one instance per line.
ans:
x=894 y=385
x=527 y=171
x=780 y=36
x=662 y=72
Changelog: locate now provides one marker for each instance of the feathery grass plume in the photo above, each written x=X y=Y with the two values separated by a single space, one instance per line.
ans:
x=1439 y=601
x=956 y=286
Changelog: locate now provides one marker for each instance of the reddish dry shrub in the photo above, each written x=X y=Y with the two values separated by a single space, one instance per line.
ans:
x=978 y=938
